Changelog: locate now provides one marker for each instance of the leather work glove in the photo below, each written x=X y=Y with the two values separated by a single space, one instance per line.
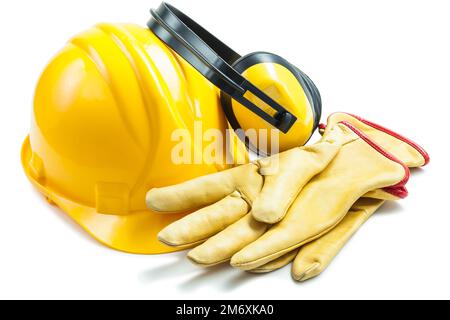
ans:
x=359 y=167
x=268 y=186
x=236 y=198
x=314 y=257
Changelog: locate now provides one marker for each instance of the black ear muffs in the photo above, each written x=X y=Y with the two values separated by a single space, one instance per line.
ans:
x=224 y=68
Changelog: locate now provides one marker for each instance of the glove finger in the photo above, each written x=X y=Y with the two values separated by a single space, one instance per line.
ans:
x=284 y=177
x=223 y=245
x=276 y=264
x=314 y=257
x=204 y=223
x=198 y=192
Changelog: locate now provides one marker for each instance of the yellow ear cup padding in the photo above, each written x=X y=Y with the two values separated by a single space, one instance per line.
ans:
x=285 y=84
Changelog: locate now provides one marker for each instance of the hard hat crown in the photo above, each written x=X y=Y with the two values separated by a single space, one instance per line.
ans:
x=105 y=108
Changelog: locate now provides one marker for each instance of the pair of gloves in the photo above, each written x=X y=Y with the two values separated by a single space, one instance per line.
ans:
x=299 y=206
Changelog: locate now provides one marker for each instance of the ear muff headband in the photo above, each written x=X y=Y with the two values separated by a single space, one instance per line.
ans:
x=213 y=59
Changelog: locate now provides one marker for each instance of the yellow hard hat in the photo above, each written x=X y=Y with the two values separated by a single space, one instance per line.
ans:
x=104 y=111
x=107 y=105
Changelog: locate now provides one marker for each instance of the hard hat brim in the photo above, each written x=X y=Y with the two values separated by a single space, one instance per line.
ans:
x=132 y=233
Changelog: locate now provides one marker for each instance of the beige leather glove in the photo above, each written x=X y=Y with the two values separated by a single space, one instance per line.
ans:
x=206 y=222
x=361 y=166
x=314 y=257
x=266 y=187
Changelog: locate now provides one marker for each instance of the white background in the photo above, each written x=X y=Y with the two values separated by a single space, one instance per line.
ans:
x=385 y=60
